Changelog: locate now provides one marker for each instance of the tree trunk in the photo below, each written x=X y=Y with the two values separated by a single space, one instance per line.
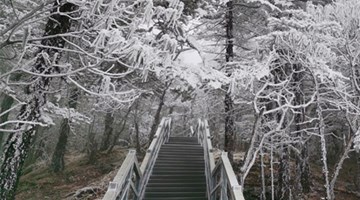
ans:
x=109 y=121
x=302 y=178
x=92 y=145
x=340 y=162
x=137 y=135
x=229 y=143
x=57 y=161
x=272 y=170
x=136 y=126
x=304 y=169
x=284 y=174
x=37 y=147
x=302 y=160
x=157 y=117
x=5 y=105
x=18 y=144
x=357 y=180
x=92 y=148
x=118 y=133
x=263 y=181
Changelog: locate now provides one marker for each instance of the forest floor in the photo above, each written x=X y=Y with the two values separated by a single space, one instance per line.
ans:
x=41 y=183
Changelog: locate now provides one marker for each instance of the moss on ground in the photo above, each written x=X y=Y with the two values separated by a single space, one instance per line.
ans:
x=41 y=183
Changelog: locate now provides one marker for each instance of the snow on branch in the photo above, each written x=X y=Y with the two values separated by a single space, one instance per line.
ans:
x=51 y=109
x=105 y=50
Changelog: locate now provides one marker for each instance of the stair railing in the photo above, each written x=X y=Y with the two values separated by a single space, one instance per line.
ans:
x=225 y=184
x=131 y=180
x=204 y=139
x=220 y=178
x=126 y=184
x=161 y=136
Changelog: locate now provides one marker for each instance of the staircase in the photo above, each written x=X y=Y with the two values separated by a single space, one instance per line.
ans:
x=179 y=171
x=176 y=168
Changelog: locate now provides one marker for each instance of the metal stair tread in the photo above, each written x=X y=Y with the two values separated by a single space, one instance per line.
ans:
x=178 y=172
x=191 y=184
x=175 y=189
x=175 y=181
x=181 y=161
x=169 y=169
x=175 y=194
x=175 y=198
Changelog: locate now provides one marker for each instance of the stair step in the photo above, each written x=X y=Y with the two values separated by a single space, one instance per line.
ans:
x=180 y=160
x=172 y=170
x=192 y=184
x=188 y=148
x=178 y=176
x=178 y=168
x=172 y=158
x=175 y=194
x=178 y=181
x=179 y=171
x=180 y=163
x=183 y=180
x=181 y=146
x=167 y=154
x=175 y=198
x=182 y=172
x=183 y=138
x=151 y=188
x=174 y=152
x=181 y=152
x=182 y=142
x=175 y=162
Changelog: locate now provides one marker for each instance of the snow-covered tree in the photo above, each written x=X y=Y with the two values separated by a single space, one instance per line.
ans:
x=90 y=44
x=302 y=64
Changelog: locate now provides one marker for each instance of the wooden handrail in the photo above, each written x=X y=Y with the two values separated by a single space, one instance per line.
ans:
x=127 y=186
x=227 y=184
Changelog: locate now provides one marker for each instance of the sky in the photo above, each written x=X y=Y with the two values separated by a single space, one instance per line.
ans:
x=191 y=58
